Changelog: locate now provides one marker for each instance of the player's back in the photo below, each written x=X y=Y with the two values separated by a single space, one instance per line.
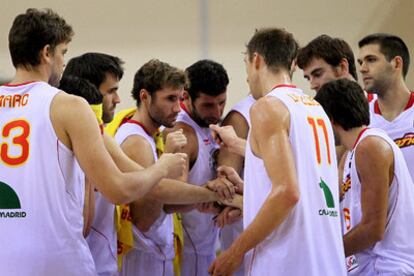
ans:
x=309 y=241
x=41 y=192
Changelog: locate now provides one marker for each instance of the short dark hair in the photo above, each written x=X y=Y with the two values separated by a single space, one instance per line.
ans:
x=277 y=47
x=390 y=46
x=207 y=77
x=331 y=50
x=32 y=31
x=94 y=67
x=345 y=103
x=156 y=75
x=82 y=88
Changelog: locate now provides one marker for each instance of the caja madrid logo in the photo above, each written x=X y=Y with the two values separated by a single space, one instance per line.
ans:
x=9 y=203
x=329 y=200
x=405 y=141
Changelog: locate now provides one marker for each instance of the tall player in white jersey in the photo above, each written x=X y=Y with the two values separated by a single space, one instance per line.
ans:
x=384 y=61
x=378 y=201
x=45 y=132
x=203 y=104
x=291 y=214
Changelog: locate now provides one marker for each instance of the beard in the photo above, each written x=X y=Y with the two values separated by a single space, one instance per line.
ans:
x=160 y=119
x=203 y=122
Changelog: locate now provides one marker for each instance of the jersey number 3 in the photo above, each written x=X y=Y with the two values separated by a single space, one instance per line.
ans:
x=15 y=134
x=319 y=122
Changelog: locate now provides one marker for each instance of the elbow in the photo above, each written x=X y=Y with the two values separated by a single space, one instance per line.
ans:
x=377 y=233
x=288 y=195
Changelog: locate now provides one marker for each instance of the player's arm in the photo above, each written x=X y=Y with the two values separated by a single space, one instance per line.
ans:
x=191 y=149
x=145 y=210
x=374 y=160
x=76 y=127
x=88 y=207
x=168 y=191
x=241 y=127
x=270 y=141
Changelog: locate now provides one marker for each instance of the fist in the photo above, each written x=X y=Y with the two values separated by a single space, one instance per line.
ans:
x=175 y=141
x=174 y=163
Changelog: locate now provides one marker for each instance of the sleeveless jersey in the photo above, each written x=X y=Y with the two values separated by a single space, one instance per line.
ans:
x=200 y=233
x=41 y=189
x=158 y=240
x=394 y=254
x=309 y=240
x=401 y=129
x=243 y=107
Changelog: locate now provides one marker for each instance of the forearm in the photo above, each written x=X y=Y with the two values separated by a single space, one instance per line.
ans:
x=273 y=212
x=170 y=191
x=360 y=238
x=238 y=147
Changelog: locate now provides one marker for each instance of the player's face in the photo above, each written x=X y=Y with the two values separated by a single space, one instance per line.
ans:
x=57 y=63
x=109 y=91
x=375 y=69
x=165 y=105
x=318 y=72
x=208 y=109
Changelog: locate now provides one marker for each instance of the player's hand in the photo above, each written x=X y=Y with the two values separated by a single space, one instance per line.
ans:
x=223 y=187
x=226 y=263
x=175 y=141
x=174 y=163
x=229 y=215
x=225 y=136
x=208 y=207
x=232 y=176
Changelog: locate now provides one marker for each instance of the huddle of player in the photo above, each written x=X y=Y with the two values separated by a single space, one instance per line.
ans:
x=289 y=184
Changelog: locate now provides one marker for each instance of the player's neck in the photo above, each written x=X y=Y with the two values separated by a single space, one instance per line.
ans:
x=23 y=75
x=350 y=137
x=271 y=80
x=394 y=99
x=142 y=116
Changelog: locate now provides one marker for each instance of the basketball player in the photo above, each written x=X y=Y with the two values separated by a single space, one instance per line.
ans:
x=290 y=175
x=325 y=59
x=384 y=60
x=379 y=193
x=105 y=72
x=203 y=104
x=45 y=132
x=157 y=90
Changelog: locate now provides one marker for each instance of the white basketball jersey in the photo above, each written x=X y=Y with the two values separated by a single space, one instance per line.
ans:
x=394 y=254
x=158 y=240
x=102 y=237
x=309 y=240
x=200 y=233
x=41 y=192
x=243 y=107
x=401 y=129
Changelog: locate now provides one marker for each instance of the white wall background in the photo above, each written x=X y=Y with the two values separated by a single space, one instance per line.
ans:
x=183 y=31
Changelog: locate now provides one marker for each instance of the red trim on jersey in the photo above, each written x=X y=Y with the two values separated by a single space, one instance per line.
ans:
x=140 y=124
x=284 y=85
x=183 y=107
x=101 y=127
x=18 y=84
x=370 y=97
x=359 y=137
x=410 y=103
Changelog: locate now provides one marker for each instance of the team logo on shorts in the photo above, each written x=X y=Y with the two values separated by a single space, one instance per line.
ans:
x=329 y=200
x=9 y=203
x=405 y=141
